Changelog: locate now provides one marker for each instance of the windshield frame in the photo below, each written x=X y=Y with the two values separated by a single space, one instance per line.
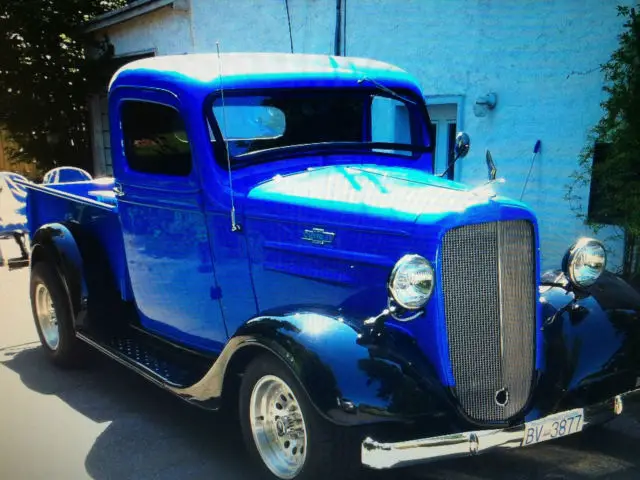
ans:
x=417 y=109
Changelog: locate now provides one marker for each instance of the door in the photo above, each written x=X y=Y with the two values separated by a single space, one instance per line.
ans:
x=165 y=234
x=101 y=145
x=443 y=134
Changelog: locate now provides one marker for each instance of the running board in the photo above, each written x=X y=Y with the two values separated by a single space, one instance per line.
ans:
x=167 y=366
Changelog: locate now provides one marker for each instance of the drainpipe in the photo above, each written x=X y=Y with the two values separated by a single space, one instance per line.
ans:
x=338 y=40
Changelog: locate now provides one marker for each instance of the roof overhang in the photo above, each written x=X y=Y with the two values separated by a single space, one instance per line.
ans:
x=132 y=10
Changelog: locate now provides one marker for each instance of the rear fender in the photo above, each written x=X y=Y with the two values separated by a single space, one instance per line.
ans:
x=55 y=244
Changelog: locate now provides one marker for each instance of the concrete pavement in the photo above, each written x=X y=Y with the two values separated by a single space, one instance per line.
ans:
x=104 y=422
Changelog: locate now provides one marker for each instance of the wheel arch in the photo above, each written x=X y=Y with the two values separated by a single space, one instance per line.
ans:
x=55 y=243
x=348 y=380
x=234 y=370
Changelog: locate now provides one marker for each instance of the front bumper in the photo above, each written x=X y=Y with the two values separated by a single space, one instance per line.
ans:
x=379 y=455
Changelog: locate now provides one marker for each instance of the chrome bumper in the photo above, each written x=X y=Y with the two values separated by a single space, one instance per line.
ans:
x=379 y=455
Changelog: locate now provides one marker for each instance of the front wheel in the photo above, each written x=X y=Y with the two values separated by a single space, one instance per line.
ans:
x=285 y=433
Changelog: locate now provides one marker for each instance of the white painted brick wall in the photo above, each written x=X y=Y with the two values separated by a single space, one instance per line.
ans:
x=166 y=31
x=541 y=57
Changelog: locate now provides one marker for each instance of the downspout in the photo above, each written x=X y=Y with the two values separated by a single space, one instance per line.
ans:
x=192 y=32
x=338 y=40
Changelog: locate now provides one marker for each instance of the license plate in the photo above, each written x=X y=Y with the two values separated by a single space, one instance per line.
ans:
x=555 y=426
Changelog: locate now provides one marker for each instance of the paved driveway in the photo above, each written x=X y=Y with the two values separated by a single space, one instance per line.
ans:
x=106 y=423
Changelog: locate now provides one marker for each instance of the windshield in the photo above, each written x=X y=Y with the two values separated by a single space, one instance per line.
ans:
x=259 y=126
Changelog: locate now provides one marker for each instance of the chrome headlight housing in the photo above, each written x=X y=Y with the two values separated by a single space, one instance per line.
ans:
x=411 y=282
x=584 y=262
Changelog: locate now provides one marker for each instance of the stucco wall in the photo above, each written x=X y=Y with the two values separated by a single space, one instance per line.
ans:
x=540 y=57
x=166 y=31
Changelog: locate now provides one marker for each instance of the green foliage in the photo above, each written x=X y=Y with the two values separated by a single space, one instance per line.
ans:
x=45 y=77
x=619 y=174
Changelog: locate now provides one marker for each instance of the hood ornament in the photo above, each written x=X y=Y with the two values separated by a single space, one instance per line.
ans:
x=485 y=188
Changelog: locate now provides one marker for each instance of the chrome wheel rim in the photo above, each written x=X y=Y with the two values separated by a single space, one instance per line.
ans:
x=278 y=427
x=47 y=319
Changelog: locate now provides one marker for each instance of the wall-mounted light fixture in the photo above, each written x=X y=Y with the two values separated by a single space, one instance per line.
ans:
x=485 y=103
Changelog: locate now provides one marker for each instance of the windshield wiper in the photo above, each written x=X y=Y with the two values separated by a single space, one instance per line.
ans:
x=340 y=145
x=248 y=158
x=397 y=96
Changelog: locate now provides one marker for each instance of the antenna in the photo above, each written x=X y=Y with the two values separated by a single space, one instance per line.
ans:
x=536 y=150
x=234 y=226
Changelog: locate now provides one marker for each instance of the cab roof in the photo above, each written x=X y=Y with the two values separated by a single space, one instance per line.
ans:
x=206 y=72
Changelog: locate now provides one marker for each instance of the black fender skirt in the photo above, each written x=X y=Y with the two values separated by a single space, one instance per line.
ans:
x=591 y=344
x=350 y=377
x=56 y=244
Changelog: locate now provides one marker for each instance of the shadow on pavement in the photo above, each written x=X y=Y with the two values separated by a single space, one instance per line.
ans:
x=155 y=435
x=152 y=434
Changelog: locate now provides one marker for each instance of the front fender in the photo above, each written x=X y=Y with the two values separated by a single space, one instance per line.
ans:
x=55 y=243
x=350 y=379
x=591 y=344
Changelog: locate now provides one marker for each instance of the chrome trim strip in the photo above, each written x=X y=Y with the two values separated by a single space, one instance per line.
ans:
x=378 y=455
x=499 y=227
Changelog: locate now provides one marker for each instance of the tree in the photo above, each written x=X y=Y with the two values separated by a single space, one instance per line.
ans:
x=45 y=77
x=618 y=172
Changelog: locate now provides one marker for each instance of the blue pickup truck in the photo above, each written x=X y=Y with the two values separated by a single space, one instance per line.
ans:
x=274 y=241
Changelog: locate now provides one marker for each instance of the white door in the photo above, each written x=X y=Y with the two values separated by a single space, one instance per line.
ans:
x=443 y=131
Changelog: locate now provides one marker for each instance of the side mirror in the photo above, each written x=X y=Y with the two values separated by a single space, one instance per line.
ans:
x=462 y=145
x=460 y=149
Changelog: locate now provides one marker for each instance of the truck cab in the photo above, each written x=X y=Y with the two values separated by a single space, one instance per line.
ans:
x=208 y=179
x=274 y=236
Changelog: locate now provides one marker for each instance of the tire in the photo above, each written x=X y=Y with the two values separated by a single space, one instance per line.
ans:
x=332 y=452
x=57 y=335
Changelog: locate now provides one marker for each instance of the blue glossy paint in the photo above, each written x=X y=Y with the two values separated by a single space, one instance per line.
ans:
x=386 y=212
x=171 y=250
x=199 y=74
x=196 y=282
x=184 y=85
x=166 y=242
x=78 y=206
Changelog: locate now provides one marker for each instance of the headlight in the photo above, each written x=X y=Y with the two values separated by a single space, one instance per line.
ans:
x=584 y=262
x=411 y=282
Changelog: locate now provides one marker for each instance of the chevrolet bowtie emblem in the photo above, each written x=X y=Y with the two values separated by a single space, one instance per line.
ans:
x=318 y=236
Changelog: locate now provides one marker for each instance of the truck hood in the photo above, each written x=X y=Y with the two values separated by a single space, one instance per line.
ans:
x=330 y=236
x=348 y=225
x=380 y=197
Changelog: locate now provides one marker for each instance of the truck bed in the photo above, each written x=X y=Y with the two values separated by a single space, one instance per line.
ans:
x=90 y=210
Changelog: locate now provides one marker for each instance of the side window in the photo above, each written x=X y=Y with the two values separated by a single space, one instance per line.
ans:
x=155 y=139
x=390 y=123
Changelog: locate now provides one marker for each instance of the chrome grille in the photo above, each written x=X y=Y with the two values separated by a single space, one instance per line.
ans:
x=488 y=279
